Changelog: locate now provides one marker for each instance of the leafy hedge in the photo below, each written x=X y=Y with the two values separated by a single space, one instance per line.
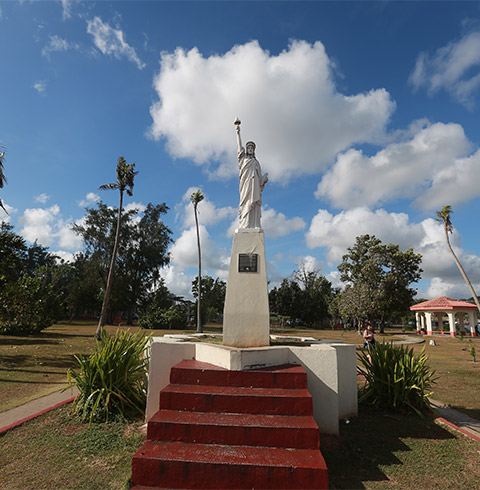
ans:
x=26 y=306
x=396 y=378
x=111 y=380
x=163 y=318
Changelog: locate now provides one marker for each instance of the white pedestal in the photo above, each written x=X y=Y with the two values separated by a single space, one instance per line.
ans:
x=331 y=372
x=246 y=317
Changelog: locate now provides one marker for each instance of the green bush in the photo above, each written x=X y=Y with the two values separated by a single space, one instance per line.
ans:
x=395 y=378
x=163 y=318
x=111 y=379
x=26 y=306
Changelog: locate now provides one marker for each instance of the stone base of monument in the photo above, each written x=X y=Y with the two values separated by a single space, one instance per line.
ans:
x=217 y=414
x=330 y=367
x=246 y=319
x=218 y=428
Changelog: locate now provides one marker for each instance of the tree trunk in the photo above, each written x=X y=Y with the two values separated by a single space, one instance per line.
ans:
x=108 y=289
x=199 y=281
x=460 y=268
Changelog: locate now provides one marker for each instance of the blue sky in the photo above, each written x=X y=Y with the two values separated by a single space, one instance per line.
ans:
x=365 y=115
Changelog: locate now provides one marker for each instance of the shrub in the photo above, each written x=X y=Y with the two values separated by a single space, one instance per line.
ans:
x=163 y=318
x=395 y=378
x=26 y=306
x=111 y=379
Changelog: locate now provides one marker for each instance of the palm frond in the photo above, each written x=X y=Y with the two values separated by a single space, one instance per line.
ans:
x=108 y=187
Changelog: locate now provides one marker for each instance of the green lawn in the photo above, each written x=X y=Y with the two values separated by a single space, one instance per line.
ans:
x=374 y=450
x=57 y=452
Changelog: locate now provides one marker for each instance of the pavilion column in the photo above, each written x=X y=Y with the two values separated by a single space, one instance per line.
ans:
x=451 y=322
x=423 y=322
x=472 y=320
x=428 y=317
x=418 y=321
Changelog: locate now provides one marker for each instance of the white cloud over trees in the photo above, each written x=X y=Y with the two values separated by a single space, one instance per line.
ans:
x=337 y=232
x=429 y=168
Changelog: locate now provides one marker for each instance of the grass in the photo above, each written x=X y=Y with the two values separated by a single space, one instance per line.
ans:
x=58 y=451
x=381 y=451
x=374 y=450
x=36 y=365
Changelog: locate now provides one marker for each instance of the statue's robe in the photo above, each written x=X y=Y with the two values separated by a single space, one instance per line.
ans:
x=250 y=208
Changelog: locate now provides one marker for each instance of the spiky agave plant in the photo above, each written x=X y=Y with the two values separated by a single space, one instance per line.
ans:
x=111 y=380
x=396 y=378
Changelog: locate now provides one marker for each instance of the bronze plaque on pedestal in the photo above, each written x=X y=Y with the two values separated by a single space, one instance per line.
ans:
x=247 y=262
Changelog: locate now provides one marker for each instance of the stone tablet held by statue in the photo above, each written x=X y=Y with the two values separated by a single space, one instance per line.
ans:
x=252 y=183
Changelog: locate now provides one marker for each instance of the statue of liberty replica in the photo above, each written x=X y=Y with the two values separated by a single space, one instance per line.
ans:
x=252 y=183
x=246 y=318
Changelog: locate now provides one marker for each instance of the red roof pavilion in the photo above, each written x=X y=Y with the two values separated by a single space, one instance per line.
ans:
x=443 y=303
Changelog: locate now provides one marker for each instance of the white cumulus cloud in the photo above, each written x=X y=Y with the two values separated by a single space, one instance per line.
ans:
x=90 y=198
x=276 y=224
x=47 y=227
x=38 y=224
x=208 y=213
x=111 y=41
x=454 y=68
x=184 y=261
x=184 y=251
x=288 y=104
x=429 y=167
x=42 y=198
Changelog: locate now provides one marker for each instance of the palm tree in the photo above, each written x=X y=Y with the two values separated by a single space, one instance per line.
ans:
x=443 y=216
x=125 y=176
x=196 y=197
x=3 y=179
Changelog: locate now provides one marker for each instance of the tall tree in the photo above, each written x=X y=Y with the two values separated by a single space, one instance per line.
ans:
x=443 y=216
x=142 y=251
x=213 y=296
x=315 y=297
x=125 y=177
x=13 y=253
x=3 y=179
x=145 y=253
x=379 y=276
x=196 y=198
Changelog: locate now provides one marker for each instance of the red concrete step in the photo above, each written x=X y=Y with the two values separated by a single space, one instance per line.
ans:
x=196 y=372
x=235 y=429
x=225 y=399
x=206 y=466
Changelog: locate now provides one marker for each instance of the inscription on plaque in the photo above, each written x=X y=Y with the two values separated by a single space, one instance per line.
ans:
x=247 y=262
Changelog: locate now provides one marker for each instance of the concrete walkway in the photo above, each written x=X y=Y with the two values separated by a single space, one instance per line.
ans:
x=457 y=420
x=18 y=415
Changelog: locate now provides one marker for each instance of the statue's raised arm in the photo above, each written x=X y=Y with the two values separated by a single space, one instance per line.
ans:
x=252 y=183
x=237 y=123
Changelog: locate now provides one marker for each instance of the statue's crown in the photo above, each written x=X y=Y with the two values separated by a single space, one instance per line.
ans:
x=250 y=143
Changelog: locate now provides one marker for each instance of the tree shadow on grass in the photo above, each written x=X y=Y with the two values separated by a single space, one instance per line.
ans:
x=19 y=341
x=370 y=442
x=19 y=362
